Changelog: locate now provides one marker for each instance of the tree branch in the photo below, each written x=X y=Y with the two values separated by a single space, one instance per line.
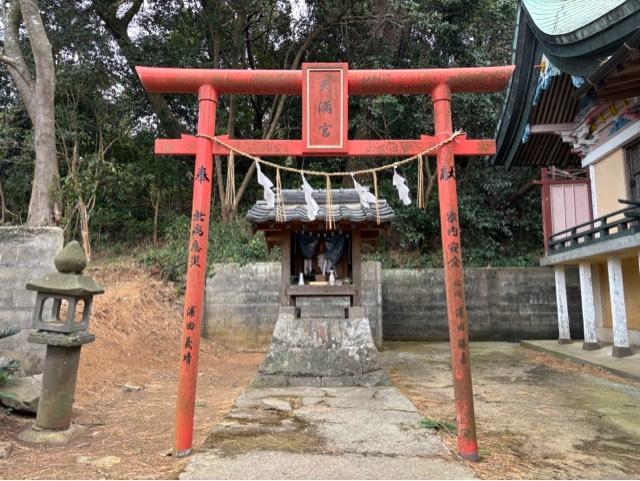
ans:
x=118 y=28
x=294 y=65
x=15 y=64
x=13 y=57
x=132 y=12
x=39 y=42
x=280 y=108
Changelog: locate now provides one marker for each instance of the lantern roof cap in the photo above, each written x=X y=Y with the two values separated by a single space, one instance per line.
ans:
x=75 y=285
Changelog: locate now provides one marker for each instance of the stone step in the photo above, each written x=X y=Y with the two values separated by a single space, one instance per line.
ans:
x=324 y=312
x=372 y=378
x=320 y=301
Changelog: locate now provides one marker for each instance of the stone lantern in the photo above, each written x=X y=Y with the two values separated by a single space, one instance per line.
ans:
x=63 y=333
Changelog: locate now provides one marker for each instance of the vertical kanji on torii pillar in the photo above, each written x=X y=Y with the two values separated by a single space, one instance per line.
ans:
x=454 y=282
x=196 y=271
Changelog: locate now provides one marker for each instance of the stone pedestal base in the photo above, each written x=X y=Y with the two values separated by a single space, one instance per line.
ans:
x=59 y=377
x=319 y=352
x=36 y=435
x=590 y=346
x=564 y=340
x=619 y=351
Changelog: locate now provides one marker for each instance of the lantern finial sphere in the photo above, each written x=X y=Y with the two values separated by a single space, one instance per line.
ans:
x=71 y=259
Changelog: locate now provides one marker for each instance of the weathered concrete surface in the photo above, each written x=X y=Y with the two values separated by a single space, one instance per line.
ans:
x=241 y=304
x=622 y=366
x=35 y=435
x=538 y=417
x=329 y=433
x=321 y=351
x=573 y=256
x=25 y=254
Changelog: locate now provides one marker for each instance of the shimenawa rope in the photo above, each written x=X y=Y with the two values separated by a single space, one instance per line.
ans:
x=330 y=221
x=320 y=173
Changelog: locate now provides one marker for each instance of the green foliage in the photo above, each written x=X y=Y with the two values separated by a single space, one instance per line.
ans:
x=16 y=165
x=230 y=242
x=429 y=423
x=8 y=366
x=497 y=230
x=103 y=112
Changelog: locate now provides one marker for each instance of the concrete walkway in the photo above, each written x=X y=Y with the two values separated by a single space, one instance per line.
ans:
x=628 y=367
x=324 y=433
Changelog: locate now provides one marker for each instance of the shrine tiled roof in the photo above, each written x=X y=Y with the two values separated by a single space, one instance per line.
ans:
x=346 y=207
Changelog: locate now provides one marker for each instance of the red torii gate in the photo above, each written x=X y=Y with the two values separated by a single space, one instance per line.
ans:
x=325 y=89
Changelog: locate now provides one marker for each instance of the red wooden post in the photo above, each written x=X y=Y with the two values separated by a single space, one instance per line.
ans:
x=547 y=229
x=196 y=272
x=452 y=254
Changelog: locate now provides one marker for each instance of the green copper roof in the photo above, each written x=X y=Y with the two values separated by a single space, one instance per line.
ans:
x=558 y=17
x=577 y=37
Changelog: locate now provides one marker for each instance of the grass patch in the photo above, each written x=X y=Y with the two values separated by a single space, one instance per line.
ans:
x=429 y=423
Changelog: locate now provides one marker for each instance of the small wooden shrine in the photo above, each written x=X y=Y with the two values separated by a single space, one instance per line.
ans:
x=317 y=261
x=322 y=336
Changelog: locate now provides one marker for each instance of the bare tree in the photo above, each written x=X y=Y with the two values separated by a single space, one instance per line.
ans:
x=37 y=90
x=85 y=160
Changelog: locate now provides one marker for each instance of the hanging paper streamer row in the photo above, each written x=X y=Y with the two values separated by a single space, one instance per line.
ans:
x=366 y=198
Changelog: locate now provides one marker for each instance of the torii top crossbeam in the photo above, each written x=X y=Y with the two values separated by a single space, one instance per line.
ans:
x=325 y=89
x=289 y=82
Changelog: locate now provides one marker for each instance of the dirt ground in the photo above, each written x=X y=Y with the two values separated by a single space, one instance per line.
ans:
x=537 y=417
x=129 y=433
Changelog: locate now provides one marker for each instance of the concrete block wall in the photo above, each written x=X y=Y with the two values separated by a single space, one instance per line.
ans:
x=241 y=304
x=508 y=304
x=25 y=254
x=503 y=304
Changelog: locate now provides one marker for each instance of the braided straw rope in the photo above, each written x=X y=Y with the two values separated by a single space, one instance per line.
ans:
x=375 y=190
x=280 y=208
x=230 y=191
x=420 y=200
x=281 y=214
x=320 y=173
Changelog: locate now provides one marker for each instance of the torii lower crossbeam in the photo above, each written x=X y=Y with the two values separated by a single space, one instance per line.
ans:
x=356 y=148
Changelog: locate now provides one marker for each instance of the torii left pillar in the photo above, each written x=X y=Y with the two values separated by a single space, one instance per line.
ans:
x=196 y=271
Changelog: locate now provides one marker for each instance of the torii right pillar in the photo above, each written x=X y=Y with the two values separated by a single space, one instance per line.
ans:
x=454 y=282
